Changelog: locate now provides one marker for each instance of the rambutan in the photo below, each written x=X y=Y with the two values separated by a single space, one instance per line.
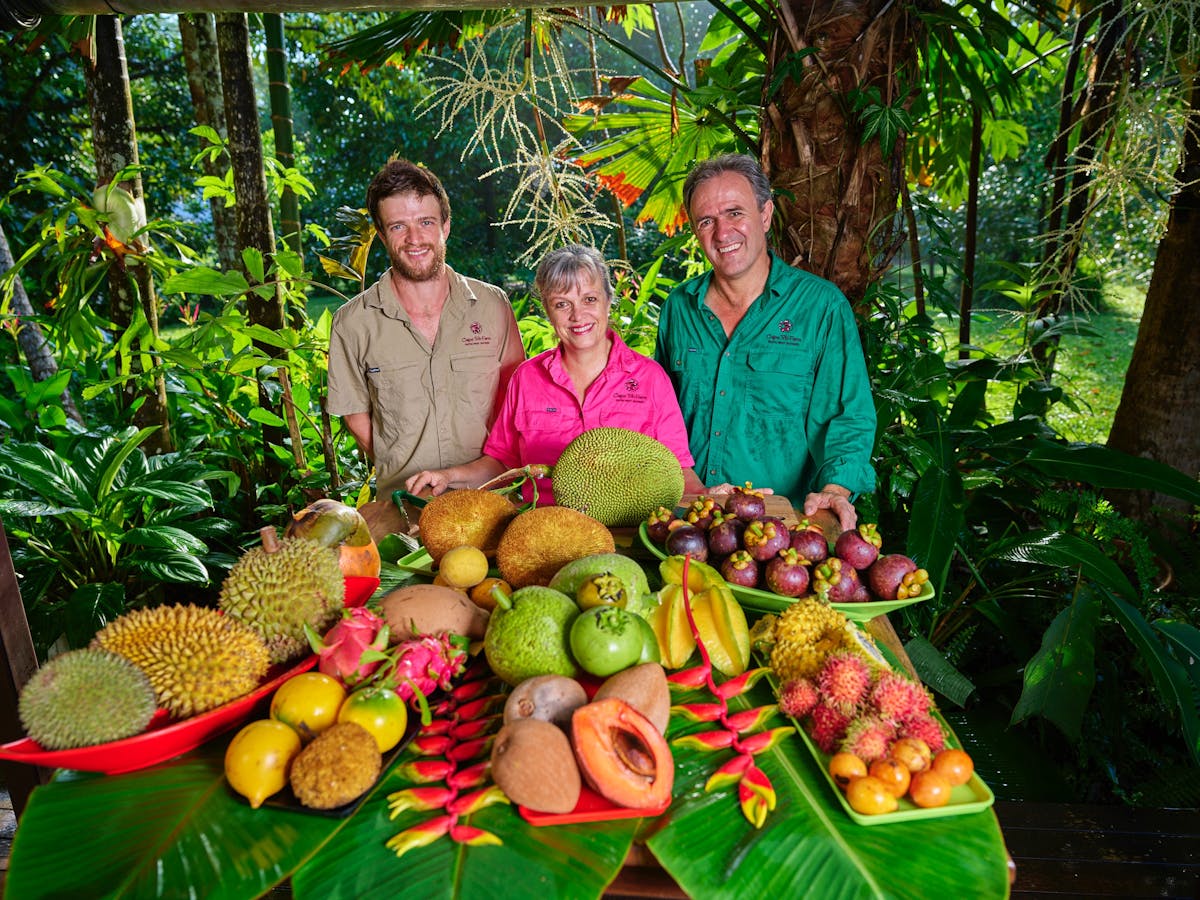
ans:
x=828 y=726
x=798 y=697
x=926 y=728
x=844 y=679
x=868 y=738
x=897 y=698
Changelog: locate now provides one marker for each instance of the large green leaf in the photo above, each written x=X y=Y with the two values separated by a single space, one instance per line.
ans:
x=1060 y=677
x=1102 y=467
x=808 y=846
x=1055 y=548
x=38 y=470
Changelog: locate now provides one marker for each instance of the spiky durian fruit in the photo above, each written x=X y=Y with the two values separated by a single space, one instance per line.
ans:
x=85 y=697
x=278 y=587
x=196 y=658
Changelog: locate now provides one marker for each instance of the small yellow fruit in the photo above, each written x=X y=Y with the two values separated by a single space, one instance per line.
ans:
x=481 y=594
x=463 y=567
x=258 y=757
x=870 y=796
x=309 y=703
x=380 y=711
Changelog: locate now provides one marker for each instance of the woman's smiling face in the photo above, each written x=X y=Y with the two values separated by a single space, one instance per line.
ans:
x=579 y=311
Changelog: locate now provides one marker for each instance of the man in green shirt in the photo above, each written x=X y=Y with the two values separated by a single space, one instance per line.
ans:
x=765 y=358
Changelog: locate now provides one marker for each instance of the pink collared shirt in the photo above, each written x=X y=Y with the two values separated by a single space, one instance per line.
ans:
x=540 y=414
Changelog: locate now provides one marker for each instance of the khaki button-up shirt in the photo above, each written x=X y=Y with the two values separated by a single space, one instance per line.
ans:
x=430 y=406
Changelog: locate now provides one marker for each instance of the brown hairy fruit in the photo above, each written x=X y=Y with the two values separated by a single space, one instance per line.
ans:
x=541 y=541
x=339 y=766
x=471 y=516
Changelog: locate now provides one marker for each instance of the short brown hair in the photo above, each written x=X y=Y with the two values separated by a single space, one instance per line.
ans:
x=399 y=176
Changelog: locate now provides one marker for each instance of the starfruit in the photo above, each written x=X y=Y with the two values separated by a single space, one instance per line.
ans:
x=670 y=625
x=700 y=576
x=722 y=626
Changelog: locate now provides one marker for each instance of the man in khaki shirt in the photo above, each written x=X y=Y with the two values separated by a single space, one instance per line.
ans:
x=419 y=361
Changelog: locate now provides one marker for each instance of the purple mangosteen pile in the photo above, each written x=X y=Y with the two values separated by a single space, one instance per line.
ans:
x=754 y=550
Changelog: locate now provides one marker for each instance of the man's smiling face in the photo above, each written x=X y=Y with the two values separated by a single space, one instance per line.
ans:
x=731 y=228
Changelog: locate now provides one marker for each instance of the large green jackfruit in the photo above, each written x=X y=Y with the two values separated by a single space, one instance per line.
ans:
x=617 y=476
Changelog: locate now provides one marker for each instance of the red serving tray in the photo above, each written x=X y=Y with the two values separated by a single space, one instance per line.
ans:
x=359 y=589
x=590 y=808
x=163 y=739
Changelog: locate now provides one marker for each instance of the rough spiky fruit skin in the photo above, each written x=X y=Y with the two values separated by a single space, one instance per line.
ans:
x=868 y=738
x=85 y=697
x=276 y=593
x=896 y=698
x=196 y=658
x=804 y=635
x=798 y=697
x=927 y=729
x=844 y=680
x=828 y=726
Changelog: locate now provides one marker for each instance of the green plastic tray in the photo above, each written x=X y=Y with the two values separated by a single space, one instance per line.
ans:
x=418 y=561
x=767 y=602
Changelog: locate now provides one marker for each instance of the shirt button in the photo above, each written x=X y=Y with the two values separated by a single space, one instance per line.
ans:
x=722 y=393
x=712 y=471
x=716 y=434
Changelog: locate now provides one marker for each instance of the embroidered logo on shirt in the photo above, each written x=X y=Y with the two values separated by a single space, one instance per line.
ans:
x=785 y=325
x=631 y=384
x=476 y=328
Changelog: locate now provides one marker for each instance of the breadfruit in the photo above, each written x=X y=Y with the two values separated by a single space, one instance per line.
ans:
x=617 y=476
x=196 y=658
x=339 y=766
x=473 y=517
x=278 y=587
x=541 y=541
x=85 y=697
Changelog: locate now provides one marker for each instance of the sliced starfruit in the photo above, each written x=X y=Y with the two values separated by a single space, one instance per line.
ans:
x=700 y=576
x=669 y=621
x=724 y=631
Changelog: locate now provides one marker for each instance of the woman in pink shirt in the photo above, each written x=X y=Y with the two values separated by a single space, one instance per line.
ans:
x=591 y=379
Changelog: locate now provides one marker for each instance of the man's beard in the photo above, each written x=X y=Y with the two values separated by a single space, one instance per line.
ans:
x=432 y=269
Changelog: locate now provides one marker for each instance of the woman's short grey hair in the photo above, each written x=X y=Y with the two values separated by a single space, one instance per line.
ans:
x=560 y=269
x=719 y=165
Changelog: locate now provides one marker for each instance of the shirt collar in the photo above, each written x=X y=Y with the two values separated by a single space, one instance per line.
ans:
x=699 y=286
x=383 y=297
x=618 y=356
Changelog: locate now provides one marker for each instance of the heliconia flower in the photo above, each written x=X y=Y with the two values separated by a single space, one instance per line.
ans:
x=425 y=771
x=729 y=773
x=473 y=709
x=739 y=685
x=466 y=804
x=353 y=648
x=469 y=750
x=748 y=719
x=420 y=835
x=689 y=678
x=437 y=726
x=706 y=740
x=701 y=712
x=418 y=798
x=432 y=744
x=756 y=795
x=471 y=728
x=468 y=690
x=474 y=837
x=470 y=777
x=765 y=740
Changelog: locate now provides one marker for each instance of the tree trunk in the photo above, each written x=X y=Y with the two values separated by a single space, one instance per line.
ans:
x=1159 y=413
x=199 y=38
x=966 y=299
x=281 y=121
x=39 y=356
x=836 y=196
x=114 y=140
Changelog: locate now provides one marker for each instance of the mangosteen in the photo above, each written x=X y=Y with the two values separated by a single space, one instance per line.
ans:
x=700 y=512
x=688 y=540
x=746 y=503
x=809 y=541
x=835 y=581
x=765 y=537
x=786 y=574
x=740 y=569
x=895 y=577
x=859 y=547
x=657 y=525
x=725 y=534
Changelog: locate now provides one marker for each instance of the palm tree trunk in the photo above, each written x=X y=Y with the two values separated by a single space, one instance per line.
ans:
x=114 y=140
x=39 y=355
x=281 y=121
x=199 y=38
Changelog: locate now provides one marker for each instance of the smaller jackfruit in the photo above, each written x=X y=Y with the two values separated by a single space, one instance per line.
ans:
x=85 y=697
x=617 y=476
x=196 y=658
x=279 y=587
x=339 y=766
x=469 y=517
x=541 y=541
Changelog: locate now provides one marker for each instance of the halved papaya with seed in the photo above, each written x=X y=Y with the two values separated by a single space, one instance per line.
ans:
x=621 y=755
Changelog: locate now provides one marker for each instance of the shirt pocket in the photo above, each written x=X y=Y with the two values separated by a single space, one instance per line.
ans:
x=398 y=400
x=780 y=384
x=476 y=377
x=694 y=380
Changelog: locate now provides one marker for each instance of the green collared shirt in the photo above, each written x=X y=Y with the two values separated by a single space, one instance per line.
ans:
x=785 y=402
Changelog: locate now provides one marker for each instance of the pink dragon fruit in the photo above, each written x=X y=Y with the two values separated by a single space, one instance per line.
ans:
x=353 y=648
x=427 y=663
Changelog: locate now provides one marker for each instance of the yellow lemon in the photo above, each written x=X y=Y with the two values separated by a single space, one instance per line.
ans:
x=258 y=757
x=380 y=711
x=309 y=703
